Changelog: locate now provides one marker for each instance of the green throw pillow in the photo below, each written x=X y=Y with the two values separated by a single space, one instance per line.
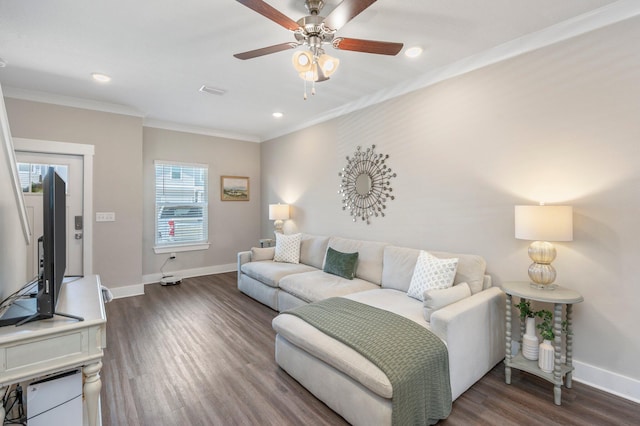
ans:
x=341 y=264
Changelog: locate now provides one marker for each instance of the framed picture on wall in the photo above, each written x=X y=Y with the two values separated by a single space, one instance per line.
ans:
x=234 y=188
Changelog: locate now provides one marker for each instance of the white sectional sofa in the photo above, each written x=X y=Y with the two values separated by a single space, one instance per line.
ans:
x=472 y=326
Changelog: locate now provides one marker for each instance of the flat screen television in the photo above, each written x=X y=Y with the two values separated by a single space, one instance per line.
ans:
x=52 y=258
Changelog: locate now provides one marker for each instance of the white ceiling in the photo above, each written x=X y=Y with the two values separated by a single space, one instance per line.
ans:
x=160 y=52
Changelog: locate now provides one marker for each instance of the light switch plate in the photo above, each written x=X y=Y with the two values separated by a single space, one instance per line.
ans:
x=105 y=217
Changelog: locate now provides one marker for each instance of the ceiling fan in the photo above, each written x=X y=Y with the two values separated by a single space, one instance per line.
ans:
x=315 y=31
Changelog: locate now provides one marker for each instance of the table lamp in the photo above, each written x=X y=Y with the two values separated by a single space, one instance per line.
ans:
x=278 y=213
x=542 y=224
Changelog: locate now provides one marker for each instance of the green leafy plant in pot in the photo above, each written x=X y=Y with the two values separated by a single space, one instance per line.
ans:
x=525 y=309
x=529 y=339
x=546 y=326
x=547 y=351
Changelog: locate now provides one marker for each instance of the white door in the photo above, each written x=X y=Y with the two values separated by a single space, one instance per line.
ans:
x=31 y=166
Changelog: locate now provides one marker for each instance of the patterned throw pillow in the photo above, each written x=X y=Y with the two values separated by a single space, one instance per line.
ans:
x=287 y=248
x=341 y=264
x=431 y=273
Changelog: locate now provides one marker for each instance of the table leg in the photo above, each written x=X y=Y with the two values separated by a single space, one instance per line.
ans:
x=569 y=345
x=91 y=390
x=507 y=356
x=557 y=348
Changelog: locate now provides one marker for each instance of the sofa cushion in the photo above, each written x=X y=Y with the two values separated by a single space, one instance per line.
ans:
x=340 y=264
x=431 y=273
x=399 y=263
x=398 y=266
x=318 y=285
x=262 y=253
x=313 y=249
x=287 y=248
x=370 y=254
x=270 y=273
x=439 y=298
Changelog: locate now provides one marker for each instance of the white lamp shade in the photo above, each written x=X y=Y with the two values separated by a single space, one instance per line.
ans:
x=544 y=223
x=278 y=211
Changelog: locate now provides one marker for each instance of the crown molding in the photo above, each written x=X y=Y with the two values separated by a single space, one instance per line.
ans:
x=69 y=101
x=178 y=127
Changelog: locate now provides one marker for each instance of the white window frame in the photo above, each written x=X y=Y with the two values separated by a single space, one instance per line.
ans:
x=160 y=248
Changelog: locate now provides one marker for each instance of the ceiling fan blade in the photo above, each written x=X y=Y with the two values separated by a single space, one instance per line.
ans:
x=266 y=50
x=367 y=46
x=270 y=12
x=346 y=11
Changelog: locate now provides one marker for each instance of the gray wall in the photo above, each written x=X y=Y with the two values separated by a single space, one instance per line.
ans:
x=233 y=225
x=117 y=180
x=558 y=125
x=124 y=184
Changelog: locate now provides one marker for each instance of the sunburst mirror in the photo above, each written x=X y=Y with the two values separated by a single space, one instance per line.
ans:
x=365 y=186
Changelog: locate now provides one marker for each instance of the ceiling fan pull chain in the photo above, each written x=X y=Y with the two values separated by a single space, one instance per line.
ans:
x=313 y=88
x=305 y=90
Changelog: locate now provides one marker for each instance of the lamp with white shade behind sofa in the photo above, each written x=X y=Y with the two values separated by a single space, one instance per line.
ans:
x=278 y=213
x=542 y=224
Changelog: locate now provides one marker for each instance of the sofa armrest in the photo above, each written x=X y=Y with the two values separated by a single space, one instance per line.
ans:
x=473 y=330
x=243 y=257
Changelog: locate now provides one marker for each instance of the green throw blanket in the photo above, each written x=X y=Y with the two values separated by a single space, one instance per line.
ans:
x=414 y=359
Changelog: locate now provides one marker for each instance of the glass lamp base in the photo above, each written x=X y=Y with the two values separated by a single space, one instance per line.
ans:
x=542 y=286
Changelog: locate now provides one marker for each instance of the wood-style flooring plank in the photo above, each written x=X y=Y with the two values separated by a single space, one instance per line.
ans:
x=202 y=353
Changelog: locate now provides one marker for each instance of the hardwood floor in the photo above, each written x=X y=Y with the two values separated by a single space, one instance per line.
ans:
x=202 y=353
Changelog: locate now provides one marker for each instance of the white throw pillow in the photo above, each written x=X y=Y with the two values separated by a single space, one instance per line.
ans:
x=262 y=253
x=431 y=273
x=437 y=299
x=287 y=248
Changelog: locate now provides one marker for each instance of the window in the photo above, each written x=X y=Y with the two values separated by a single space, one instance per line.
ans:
x=32 y=175
x=181 y=204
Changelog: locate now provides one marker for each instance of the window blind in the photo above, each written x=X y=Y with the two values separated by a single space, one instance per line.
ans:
x=181 y=203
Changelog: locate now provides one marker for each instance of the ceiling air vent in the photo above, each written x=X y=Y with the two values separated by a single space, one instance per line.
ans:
x=213 y=90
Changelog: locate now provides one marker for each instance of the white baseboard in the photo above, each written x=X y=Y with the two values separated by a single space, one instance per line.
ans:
x=138 y=289
x=188 y=273
x=608 y=381
x=127 y=291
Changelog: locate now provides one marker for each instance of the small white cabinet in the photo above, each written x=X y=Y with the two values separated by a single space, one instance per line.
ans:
x=59 y=344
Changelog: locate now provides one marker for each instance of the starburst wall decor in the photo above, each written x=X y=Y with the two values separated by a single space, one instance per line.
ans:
x=366 y=184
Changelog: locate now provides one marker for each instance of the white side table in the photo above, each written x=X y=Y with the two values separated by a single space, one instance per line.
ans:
x=558 y=296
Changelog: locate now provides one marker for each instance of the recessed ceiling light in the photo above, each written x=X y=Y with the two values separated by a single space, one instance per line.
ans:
x=413 y=52
x=102 y=78
x=277 y=115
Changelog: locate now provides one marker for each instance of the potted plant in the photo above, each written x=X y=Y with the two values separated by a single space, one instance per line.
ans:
x=525 y=309
x=546 y=326
x=546 y=350
x=529 y=340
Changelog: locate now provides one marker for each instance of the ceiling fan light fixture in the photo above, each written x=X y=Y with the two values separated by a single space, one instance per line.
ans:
x=329 y=64
x=310 y=75
x=302 y=61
